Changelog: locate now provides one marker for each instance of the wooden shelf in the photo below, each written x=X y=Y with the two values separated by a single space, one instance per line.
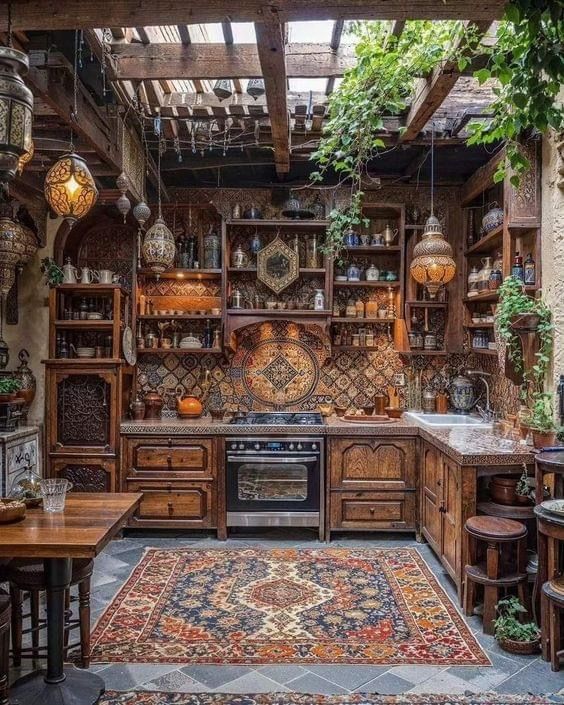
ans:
x=478 y=326
x=422 y=352
x=375 y=285
x=182 y=317
x=486 y=296
x=374 y=249
x=357 y=348
x=492 y=241
x=178 y=351
x=295 y=223
x=276 y=313
x=336 y=319
x=253 y=270
x=483 y=351
x=82 y=361
x=183 y=274
x=91 y=288
x=493 y=509
x=85 y=325
x=427 y=304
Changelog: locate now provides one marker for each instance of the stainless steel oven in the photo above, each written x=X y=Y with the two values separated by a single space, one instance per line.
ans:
x=276 y=481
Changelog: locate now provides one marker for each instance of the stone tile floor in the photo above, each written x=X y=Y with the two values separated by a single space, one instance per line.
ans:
x=508 y=673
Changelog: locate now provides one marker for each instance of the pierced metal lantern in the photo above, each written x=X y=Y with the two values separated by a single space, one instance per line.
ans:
x=16 y=111
x=123 y=204
x=141 y=213
x=12 y=249
x=255 y=87
x=432 y=264
x=69 y=187
x=30 y=244
x=223 y=88
x=26 y=157
x=158 y=248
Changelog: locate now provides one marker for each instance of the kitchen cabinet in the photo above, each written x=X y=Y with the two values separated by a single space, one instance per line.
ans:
x=372 y=484
x=19 y=449
x=178 y=477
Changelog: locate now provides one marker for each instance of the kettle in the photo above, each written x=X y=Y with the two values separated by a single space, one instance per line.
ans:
x=70 y=272
x=153 y=405
x=188 y=407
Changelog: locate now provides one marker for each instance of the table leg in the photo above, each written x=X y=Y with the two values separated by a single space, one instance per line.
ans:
x=58 y=685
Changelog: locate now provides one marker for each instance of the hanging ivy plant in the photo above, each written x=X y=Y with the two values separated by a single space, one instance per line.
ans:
x=527 y=60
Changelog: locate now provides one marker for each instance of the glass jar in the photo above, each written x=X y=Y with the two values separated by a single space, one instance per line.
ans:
x=312 y=253
x=480 y=339
x=483 y=282
x=25 y=487
x=359 y=308
x=473 y=281
x=212 y=250
x=371 y=309
x=351 y=309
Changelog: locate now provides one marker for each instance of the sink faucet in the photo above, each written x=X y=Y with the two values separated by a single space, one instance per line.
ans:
x=486 y=413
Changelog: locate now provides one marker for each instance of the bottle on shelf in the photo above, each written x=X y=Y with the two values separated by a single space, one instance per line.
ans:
x=517 y=269
x=207 y=341
x=473 y=281
x=530 y=270
x=359 y=308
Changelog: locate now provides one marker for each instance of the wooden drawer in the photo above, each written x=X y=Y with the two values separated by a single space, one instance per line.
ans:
x=373 y=511
x=186 y=502
x=180 y=458
x=375 y=465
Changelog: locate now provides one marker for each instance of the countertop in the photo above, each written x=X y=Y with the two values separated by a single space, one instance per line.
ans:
x=464 y=445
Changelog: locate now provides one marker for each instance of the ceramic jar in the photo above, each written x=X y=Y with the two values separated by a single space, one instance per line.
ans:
x=351 y=239
x=493 y=218
x=319 y=300
x=372 y=273
x=462 y=395
x=353 y=273
x=484 y=274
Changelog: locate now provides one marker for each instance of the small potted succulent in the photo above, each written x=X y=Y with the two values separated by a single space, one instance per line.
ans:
x=9 y=387
x=511 y=634
x=541 y=420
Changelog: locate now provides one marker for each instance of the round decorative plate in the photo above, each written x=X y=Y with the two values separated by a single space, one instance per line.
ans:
x=280 y=371
x=554 y=506
x=129 y=351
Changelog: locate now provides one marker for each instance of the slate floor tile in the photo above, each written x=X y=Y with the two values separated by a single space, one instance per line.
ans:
x=282 y=673
x=175 y=681
x=416 y=674
x=386 y=684
x=252 y=682
x=534 y=678
x=348 y=677
x=215 y=676
x=312 y=683
x=129 y=676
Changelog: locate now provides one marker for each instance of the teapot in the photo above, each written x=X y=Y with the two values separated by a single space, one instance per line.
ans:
x=70 y=272
x=188 y=407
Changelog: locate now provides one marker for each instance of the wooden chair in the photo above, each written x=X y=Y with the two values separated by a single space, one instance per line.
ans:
x=27 y=575
x=497 y=552
x=4 y=646
x=552 y=602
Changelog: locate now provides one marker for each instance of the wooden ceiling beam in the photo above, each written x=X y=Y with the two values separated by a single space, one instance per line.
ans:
x=431 y=92
x=78 y=14
x=271 y=50
x=212 y=61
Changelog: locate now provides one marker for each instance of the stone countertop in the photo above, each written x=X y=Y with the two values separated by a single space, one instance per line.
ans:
x=464 y=445
x=18 y=433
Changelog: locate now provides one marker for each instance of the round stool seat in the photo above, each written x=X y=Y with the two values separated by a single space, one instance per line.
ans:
x=487 y=528
x=554 y=589
x=4 y=609
x=29 y=574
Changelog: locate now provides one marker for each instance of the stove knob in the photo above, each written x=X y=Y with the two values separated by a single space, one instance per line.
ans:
x=314 y=446
x=257 y=446
x=299 y=446
x=291 y=446
x=241 y=446
x=233 y=446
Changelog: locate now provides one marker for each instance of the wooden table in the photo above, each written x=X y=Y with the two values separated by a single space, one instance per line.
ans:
x=88 y=523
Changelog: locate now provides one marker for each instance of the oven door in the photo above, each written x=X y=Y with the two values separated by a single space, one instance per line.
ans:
x=270 y=484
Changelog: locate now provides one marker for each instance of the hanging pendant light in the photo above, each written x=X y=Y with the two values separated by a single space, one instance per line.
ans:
x=69 y=187
x=12 y=249
x=159 y=248
x=26 y=157
x=123 y=204
x=255 y=87
x=141 y=213
x=223 y=88
x=432 y=265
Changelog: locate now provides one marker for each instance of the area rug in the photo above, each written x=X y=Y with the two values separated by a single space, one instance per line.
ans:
x=257 y=606
x=148 y=698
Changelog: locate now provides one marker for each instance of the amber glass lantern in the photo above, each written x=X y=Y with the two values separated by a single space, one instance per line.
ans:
x=26 y=157
x=69 y=187
x=432 y=264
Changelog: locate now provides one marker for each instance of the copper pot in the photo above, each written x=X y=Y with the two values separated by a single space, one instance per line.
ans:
x=502 y=490
x=153 y=405
x=137 y=409
x=381 y=401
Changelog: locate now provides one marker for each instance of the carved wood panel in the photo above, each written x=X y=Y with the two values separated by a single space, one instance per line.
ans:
x=83 y=411
x=388 y=464
x=524 y=202
x=450 y=519
x=431 y=496
x=86 y=477
x=110 y=246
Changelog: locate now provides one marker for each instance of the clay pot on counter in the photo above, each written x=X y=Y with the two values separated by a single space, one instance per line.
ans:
x=153 y=405
x=137 y=408
x=188 y=407
x=503 y=491
x=543 y=439
x=381 y=401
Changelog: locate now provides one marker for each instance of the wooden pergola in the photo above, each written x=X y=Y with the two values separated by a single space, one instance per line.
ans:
x=156 y=56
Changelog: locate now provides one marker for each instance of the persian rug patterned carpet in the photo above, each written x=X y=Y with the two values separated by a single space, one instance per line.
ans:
x=256 y=606
x=152 y=698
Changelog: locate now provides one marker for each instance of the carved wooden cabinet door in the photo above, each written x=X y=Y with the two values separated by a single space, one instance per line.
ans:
x=432 y=496
x=82 y=404
x=450 y=518
x=87 y=474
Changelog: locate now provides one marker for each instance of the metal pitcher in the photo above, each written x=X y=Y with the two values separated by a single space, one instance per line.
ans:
x=88 y=276
x=70 y=272
x=390 y=235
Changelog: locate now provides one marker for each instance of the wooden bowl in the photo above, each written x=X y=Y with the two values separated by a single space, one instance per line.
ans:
x=11 y=510
x=368 y=410
x=217 y=414
x=340 y=411
x=394 y=413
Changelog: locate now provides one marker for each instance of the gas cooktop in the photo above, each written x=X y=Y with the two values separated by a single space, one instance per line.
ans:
x=299 y=418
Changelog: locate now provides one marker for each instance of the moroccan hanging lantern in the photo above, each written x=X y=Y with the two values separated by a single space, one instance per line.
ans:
x=141 y=213
x=255 y=87
x=26 y=157
x=223 y=88
x=12 y=249
x=30 y=244
x=123 y=204
x=16 y=111
x=432 y=265
x=69 y=187
x=159 y=248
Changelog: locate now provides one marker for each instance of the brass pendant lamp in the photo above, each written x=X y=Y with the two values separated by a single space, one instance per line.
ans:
x=69 y=187
x=432 y=265
x=159 y=248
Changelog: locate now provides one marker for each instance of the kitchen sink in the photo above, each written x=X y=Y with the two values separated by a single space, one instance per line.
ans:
x=447 y=419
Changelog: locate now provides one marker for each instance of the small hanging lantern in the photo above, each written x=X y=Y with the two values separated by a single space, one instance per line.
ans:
x=159 y=248
x=70 y=190
x=16 y=111
x=12 y=249
x=255 y=87
x=432 y=264
x=26 y=157
x=30 y=244
x=223 y=88
x=123 y=204
x=141 y=213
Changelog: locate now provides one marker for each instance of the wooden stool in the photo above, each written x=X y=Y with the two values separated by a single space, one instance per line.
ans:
x=496 y=570
x=552 y=601
x=27 y=575
x=4 y=646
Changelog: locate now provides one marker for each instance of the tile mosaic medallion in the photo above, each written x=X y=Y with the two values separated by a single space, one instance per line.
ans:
x=338 y=605
x=154 y=698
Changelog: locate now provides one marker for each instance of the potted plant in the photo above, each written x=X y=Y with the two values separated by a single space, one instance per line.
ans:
x=541 y=420
x=53 y=273
x=510 y=633
x=9 y=386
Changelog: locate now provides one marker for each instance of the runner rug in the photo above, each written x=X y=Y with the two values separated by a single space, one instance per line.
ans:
x=257 y=606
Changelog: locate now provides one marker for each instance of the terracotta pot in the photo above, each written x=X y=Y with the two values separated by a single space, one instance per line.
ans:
x=520 y=647
x=543 y=439
x=502 y=490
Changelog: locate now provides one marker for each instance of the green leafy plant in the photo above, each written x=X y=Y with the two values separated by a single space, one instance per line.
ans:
x=527 y=61
x=53 y=273
x=523 y=488
x=507 y=624
x=542 y=413
x=9 y=385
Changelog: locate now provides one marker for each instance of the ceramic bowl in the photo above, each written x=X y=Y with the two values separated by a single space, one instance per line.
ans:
x=394 y=413
x=340 y=411
x=368 y=410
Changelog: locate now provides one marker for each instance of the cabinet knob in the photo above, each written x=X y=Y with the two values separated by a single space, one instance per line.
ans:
x=169 y=487
x=169 y=441
x=170 y=507
x=372 y=510
x=439 y=483
x=169 y=459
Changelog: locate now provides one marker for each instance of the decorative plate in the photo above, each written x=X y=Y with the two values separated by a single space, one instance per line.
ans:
x=554 y=506
x=129 y=351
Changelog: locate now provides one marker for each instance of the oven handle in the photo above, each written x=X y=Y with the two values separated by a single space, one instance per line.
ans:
x=263 y=459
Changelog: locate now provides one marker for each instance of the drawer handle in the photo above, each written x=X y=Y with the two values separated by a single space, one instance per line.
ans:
x=169 y=459
x=372 y=510
x=170 y=507
x=439 y=483
x=169 y=441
